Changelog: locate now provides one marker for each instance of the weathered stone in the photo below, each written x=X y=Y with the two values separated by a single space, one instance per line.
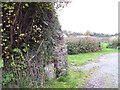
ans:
x=58 y=63
x=60 y=54
x=59 y=66
x=49 y=71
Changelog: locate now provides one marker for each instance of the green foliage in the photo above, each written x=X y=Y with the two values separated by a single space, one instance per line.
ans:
x=74 y=79
x=114 y=42
x=88 y=32
x=17 y=50
x=20 y=34
x=26 y=82
x=61 y=79
x=77 y=45
x=25 y=25
x=77 y=78
x=7 y=79
x=72 y=48
x=84 y=58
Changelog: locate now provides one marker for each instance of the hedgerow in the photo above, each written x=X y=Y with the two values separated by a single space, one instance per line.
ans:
x=84 y=44
x=114 y=42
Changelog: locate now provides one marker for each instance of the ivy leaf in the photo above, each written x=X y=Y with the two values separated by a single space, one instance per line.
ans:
x=24 y=50
x=7 y=57
x=1 y=30
x=26 y=5
x=22 y=35
x=23 y=6
x=20 y=52
x=5 y=5
x=13 y=63
x=10 y=11
x=0 y=24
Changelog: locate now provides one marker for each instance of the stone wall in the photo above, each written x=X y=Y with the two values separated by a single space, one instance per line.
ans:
x=60 y=54
x=42 y=40
x=59 y=65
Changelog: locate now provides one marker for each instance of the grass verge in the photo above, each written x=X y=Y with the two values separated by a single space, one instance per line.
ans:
x=74 y=79
x=84 y=58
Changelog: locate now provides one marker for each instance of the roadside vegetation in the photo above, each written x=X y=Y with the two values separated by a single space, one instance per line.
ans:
x=84 y=58
x=33 y=48
x=81 y=51
x=77 y=78
x=82 y=44
x=74 y=79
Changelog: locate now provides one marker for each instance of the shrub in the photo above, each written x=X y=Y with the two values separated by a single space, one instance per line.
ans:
x=7 y=79
x=84 y=44
x=114 y=42
x=61 y=79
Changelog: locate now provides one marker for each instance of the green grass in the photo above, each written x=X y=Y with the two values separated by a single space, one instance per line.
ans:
x=74 y=79
x=84 y=58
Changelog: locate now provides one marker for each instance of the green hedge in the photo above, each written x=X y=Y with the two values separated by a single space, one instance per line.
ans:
x=114 y=42
x=77 y=45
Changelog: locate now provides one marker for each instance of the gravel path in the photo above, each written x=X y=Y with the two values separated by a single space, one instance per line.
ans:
x=106 y=75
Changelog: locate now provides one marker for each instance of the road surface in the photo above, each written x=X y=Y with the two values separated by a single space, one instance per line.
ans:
x=106 y=74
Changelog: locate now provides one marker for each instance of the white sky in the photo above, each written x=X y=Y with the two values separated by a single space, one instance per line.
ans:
x=93 y=15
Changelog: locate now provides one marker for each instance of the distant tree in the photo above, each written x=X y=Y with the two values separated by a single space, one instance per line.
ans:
x=88 y=32
x=100 y=34
x=68 y=33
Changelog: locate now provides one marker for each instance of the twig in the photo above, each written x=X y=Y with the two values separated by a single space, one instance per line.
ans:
x=38 y=50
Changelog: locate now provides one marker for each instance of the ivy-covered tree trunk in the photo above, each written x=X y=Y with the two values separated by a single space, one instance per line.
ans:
x=1 y=60
x=30 y=35
x=0 y=45
x=19 y=32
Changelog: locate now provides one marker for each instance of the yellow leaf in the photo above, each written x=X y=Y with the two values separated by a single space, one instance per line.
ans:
x=0 y=24
x=22 y=35
x=26 y=5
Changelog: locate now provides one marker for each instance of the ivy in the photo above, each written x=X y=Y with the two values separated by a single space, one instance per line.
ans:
x=7 y=79
x=24 y=27
x=17 y=50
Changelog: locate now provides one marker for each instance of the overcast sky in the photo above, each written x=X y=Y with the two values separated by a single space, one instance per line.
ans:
x=93 y=15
